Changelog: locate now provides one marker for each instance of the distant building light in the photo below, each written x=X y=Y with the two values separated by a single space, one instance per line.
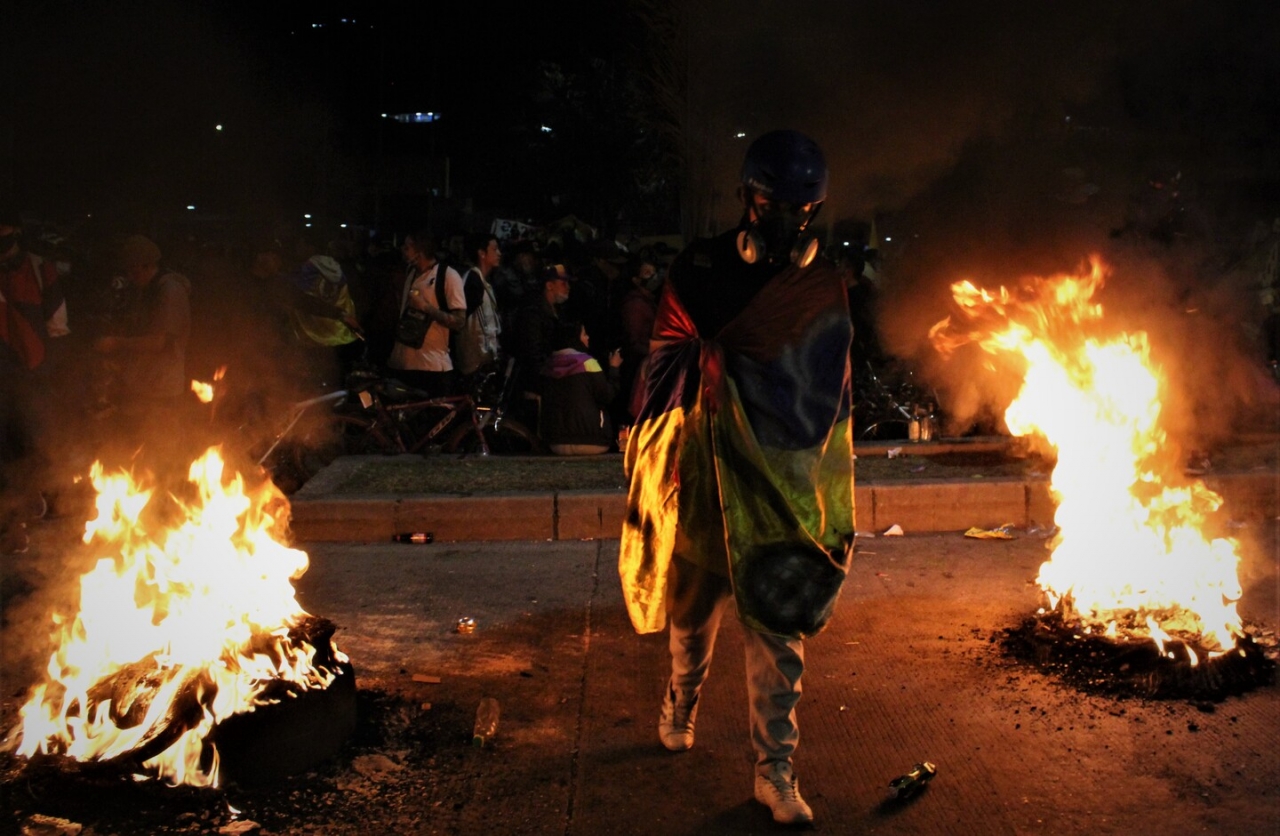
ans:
x=217 y=127
x=317 y=25
x=740 y=135
x=307 y=216
x=888 y=238
x=846 y=243
x=191 y=207
x=307 y=225
x=415 y=118
x=342 y=226
x=545 y=129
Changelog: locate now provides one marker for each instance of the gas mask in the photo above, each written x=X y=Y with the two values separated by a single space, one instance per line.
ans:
x=777 y=234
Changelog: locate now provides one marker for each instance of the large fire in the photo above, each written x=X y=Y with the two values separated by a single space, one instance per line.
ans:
x=1131 y=557
x=180 y=626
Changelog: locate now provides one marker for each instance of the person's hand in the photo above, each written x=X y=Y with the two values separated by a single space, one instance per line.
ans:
x=615 y=358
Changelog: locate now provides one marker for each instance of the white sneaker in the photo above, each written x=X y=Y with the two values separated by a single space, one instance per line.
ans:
x=675 y=726
x=780 y=792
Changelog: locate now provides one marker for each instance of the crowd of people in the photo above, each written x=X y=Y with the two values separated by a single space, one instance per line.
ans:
x=99 y=342
x=575 y=322
x=734 y=371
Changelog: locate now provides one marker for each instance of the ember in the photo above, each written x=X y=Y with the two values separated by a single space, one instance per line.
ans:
x=1132 y=559
x=181 y=628
x=205 y=391
x=1105 y=665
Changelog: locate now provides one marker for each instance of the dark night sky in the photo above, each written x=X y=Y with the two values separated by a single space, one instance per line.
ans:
x=120 y=101
x=985 y=136
x=913 y=101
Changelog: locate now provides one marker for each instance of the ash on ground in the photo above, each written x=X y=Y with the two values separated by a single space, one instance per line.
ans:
x=1137 y=667
x=399 y=764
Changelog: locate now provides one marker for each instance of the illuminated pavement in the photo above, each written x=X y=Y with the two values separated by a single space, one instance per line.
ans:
x=907 y=671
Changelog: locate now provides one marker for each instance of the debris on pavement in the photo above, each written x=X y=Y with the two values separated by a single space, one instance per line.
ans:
x=905 y=786
x=894 y=530
x=375 y=765
x=236 y=828
x=39 y=825
x=1001 y=533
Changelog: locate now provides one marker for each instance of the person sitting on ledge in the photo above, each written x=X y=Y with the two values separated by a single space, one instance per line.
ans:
x=577 y=394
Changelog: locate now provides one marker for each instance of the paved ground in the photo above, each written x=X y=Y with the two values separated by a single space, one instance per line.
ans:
x=907 y=671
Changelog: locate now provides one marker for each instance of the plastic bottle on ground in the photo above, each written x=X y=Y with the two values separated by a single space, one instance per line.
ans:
x=486 y=722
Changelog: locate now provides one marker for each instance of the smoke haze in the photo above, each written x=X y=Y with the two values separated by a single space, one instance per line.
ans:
x=995 y=140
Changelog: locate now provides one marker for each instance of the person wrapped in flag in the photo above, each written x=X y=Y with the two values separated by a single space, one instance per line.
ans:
x=740 y=462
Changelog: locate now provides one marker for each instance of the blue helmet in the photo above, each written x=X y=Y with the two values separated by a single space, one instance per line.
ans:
x=786 y=166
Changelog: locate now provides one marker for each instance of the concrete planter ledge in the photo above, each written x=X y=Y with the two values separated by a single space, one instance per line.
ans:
x=917 y=507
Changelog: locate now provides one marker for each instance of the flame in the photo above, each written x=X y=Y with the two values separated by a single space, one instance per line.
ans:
x=1131 y=554
x=187 y=620
x=204 y=391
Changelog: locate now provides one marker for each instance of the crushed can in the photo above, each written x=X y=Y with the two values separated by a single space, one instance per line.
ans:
x=906 y=786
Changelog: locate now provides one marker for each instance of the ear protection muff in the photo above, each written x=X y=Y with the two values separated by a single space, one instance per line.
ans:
x=805 y=251
x=750 y=245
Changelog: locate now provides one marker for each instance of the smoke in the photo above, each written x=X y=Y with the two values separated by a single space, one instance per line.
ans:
x=996 y=140
x=893 y=92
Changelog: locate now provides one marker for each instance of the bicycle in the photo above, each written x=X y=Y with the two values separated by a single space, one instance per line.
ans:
x=390 y=418
x=889 y=403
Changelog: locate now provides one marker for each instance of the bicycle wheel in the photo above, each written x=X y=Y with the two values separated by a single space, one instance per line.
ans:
x=362 y=436
x=298 y=460
x=889 y=429
x=509 y=438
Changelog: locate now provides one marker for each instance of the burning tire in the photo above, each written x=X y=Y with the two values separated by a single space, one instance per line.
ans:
x=292 y=736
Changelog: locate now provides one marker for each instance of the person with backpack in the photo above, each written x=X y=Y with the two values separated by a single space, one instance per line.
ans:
x=476 y=343
x=429 y=310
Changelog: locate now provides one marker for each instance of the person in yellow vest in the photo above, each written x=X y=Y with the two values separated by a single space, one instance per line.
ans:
x=322 y=317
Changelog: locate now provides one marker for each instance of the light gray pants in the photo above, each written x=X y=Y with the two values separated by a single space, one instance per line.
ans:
x=696 y=600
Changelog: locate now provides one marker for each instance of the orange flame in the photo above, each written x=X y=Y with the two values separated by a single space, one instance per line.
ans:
x=202 y=608
x=1131 y=554
x=204 y=391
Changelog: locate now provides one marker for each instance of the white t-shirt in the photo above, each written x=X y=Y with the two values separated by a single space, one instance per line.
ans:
x=434 y=354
